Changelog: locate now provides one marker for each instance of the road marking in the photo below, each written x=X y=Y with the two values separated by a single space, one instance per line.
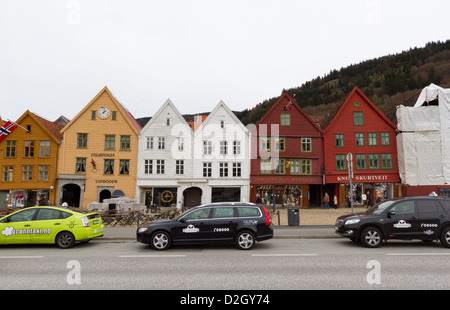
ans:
x=416 y=254
x=282 y=255
x=19 y=257
x=151 y=256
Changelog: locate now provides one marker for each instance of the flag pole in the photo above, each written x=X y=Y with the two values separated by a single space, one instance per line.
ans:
x=18 y=125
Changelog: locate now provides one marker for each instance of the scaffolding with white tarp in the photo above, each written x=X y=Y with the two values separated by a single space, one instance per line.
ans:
x=424 y=139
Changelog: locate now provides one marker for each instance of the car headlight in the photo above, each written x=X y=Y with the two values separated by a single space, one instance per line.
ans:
x=353 y=221
x=142 y=229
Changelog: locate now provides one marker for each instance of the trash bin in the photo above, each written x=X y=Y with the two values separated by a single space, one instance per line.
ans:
x=293 y=217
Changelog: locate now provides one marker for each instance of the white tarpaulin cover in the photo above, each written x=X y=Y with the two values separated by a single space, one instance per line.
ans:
x=424 y=141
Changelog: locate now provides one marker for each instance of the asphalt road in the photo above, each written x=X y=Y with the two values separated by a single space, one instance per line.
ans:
x=277 y=264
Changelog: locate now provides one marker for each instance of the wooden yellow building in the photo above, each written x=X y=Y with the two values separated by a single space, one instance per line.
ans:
x=98 y=154
x=28 y=161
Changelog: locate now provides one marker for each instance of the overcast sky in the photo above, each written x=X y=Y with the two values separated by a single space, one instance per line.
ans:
x=56 y=55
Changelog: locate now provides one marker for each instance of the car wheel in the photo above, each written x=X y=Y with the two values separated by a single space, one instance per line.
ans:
x=371 y=237
x=245 y=240
x=445 y=237
x=65 y=240
x=160 y=240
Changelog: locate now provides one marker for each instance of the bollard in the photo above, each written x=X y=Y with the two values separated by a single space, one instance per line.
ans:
x=278 y=215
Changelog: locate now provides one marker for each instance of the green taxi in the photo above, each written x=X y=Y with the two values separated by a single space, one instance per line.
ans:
x=58 y=225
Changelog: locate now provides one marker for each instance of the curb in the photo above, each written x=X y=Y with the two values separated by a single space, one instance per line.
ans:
x=280 y=232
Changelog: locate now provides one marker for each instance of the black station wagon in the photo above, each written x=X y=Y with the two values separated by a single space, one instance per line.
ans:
x=239 y=223
x=424 y=218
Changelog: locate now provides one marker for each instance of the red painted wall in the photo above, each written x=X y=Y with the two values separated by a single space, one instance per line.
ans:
x=374 y=121
x=301 y=126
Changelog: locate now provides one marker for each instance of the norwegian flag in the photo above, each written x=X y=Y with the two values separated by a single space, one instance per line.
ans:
x=289 y=104
x=6 y=129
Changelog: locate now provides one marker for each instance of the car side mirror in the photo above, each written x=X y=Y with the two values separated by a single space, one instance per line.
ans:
x=391 y=213
x=183 y=219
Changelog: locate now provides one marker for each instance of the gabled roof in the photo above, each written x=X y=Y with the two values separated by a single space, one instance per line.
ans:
x=52 y=129
x=214 y=112
x=294 y=106
x=120 y=107
x=329 y=120
x=159 y=112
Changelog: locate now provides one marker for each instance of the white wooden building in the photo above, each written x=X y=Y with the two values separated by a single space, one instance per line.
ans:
x=180 y=167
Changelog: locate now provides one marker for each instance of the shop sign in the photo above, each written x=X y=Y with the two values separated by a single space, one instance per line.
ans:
x=102 y=154
x=376 y=178
x=105 y=181
x=286 y=179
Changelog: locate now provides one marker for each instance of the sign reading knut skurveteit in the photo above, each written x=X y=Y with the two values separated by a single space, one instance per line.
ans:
x=363 y=178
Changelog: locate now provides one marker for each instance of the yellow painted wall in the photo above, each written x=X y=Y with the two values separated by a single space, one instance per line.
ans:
x=36 y=134
x=97 y=129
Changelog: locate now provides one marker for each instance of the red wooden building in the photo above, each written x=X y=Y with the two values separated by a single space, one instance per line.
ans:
x=287 y=156
x=357 y=126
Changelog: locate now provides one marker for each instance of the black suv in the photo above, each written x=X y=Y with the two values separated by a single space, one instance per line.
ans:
x=425 y=218
x=239 y=223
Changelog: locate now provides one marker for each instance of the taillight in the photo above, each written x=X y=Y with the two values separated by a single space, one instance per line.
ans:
x=268 y=219
x=85 y=222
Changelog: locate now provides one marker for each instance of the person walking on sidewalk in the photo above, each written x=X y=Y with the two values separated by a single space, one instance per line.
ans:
x=326 y=200
x=335 y=201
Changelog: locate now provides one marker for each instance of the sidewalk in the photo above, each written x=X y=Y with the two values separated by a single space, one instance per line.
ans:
x=314 y=223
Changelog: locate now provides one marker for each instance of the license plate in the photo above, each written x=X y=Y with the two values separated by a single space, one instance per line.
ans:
x=95 y=222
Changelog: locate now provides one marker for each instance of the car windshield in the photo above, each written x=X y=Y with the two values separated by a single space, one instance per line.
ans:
x=380 y=207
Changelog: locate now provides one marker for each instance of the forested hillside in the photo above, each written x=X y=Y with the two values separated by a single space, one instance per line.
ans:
x=387 y=81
